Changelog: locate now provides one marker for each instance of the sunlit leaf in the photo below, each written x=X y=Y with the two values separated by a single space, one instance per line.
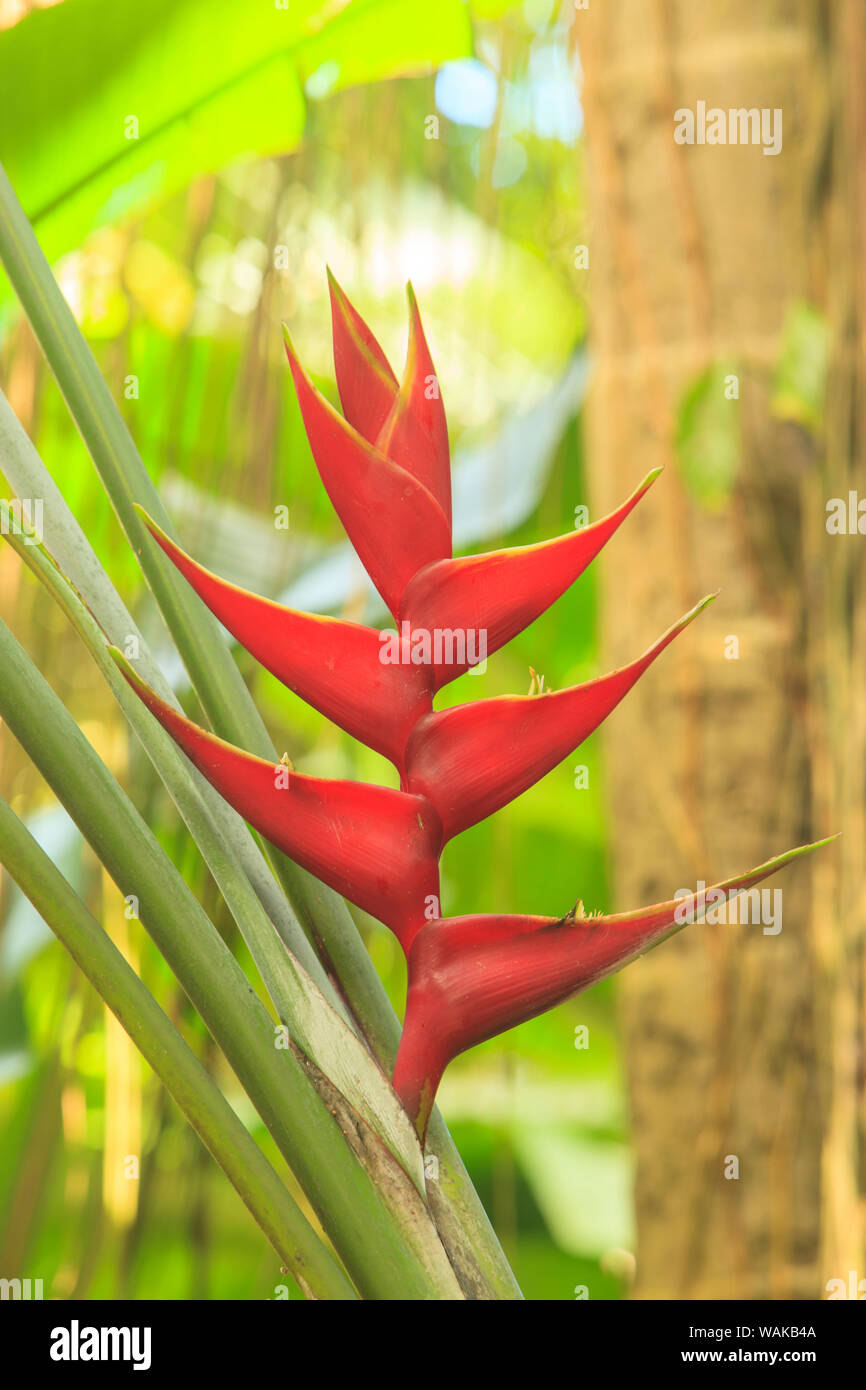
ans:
x=108 y=108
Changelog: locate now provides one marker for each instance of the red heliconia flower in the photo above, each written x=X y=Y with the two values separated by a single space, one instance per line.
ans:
x=469 y=760
x=415 y=433
x=365 y=381
x=379 y=847
x=333 y=665
x=473 y=977
x=374 y=496
x=386 y=467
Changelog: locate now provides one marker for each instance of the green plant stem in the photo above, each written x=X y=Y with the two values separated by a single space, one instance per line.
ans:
x=215 y=677
x=70 y=549
x=224 y=697
x=373 y=1244
x=462 y=1220
x=266 y=948
x=315 y=1023
x=174 y=1062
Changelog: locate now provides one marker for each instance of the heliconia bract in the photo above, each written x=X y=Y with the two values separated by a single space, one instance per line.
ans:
x=385 y=465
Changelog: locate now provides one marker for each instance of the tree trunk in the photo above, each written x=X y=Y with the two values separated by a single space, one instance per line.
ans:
x=742 y=1043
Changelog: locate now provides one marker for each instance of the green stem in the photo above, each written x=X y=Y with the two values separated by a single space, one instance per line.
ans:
x=175 y=1064
x=370 y=1239
x=462 y=1220
x=314 y=1018
x=224 y=697
x=266 y=948
x=71 y=553
x=470 y=1240
x=215 y=677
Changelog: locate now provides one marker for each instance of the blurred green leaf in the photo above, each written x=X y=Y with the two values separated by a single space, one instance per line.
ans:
x=800 y=380
x=25 y=933
x=708 y=437
x=107 y=108
x=583 y=1187
x=386 y=38
x=495 y=9
x=14 y=1035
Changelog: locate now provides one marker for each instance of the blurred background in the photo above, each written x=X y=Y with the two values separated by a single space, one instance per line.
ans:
x=598 y=300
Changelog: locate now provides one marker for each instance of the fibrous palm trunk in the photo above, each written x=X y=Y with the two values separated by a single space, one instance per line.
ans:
x=742 y=1044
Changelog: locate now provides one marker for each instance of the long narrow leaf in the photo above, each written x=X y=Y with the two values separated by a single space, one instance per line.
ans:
x=174 y=1062
x=312 y=1022
x=72 y=553
x=379 y=1250
x=217 y=683
x=463 y=1223
x=322 y=913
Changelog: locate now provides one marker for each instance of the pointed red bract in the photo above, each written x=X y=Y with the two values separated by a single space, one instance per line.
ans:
x=502 y=592
x=386 y=468
x=415 y=433
x=472 y=759
x=365 y=381
x=335 y=666
x=378 y=847
x=393 y=522
x=473 y=977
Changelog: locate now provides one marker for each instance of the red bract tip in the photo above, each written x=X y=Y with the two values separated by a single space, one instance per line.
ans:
x=393 y=522
x=502 y=592
x=473 y=977
x=472 y=759
x=366 y=383
x=415 y=434
x=378 y=847
x=334 y=665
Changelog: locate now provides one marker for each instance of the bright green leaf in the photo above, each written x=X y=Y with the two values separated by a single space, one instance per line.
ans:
x=108 y=108
x=387 y=39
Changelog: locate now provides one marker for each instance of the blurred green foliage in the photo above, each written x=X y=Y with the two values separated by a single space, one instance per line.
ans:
x=800 y=381
x=708 y=441
x=258 y=160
